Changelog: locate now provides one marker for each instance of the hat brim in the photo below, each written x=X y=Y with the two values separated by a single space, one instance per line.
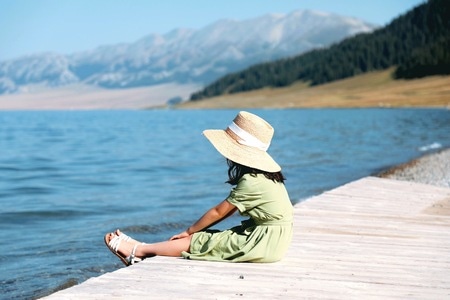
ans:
x=241 y=154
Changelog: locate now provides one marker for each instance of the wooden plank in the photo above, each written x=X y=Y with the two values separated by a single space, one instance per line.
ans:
x=373 y=238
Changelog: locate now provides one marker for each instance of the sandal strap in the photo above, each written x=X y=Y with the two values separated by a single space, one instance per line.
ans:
x=124 y=237
x=114 y=243
x=132 y=259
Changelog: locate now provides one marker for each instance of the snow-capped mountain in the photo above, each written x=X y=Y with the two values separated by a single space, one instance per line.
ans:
x=184 y=55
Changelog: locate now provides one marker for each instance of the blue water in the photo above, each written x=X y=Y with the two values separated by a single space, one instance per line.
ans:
x=68 y=177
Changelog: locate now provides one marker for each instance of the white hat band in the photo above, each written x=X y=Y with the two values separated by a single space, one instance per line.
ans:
x=247 y=139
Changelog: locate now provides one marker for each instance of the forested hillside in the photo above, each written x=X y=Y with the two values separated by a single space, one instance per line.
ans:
x=416 y=42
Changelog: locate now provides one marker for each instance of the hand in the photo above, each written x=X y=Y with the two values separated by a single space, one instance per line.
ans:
x=180 y=235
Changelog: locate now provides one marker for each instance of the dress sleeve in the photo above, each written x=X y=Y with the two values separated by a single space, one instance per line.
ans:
x=245 y=195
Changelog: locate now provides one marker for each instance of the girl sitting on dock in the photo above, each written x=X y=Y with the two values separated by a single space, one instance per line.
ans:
x=259 y=193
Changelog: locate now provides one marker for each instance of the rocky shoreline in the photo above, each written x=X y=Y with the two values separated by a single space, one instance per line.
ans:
x=433 y=169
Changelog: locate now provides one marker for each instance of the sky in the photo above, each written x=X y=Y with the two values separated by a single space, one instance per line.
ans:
x=69 y=26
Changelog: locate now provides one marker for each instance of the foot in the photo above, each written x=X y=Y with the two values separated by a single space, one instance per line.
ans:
x=126 y=251
x=126 y=238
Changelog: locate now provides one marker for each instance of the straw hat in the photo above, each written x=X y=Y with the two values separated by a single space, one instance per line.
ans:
x=245 y=142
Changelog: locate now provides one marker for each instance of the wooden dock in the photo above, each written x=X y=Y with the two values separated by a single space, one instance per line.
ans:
x=370 y=239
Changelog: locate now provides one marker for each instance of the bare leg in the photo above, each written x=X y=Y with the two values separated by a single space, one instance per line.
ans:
x=166 y=248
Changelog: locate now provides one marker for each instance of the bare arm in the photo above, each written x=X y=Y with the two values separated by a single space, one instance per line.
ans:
x=216 y=214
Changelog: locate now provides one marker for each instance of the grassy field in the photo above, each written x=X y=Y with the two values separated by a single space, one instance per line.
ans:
x=376 y=89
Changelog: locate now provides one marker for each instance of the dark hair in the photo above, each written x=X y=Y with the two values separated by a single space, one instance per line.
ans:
x=236 y=171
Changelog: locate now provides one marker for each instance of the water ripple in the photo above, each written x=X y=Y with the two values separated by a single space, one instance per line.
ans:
x=21 y=217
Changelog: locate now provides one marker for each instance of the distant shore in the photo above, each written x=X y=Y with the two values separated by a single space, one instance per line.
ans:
x=375 y=89
x=433 y=169
x=86 y=97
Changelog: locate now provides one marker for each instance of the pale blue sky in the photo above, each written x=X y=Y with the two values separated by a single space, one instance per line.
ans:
x=67 y=26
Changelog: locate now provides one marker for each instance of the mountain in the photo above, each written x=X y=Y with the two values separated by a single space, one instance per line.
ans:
x=416 y=42
x=184 y=55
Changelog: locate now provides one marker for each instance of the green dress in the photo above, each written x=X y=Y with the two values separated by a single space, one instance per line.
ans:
x=265 y=237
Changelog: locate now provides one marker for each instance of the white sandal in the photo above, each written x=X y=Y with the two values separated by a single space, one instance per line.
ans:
x=114 y=245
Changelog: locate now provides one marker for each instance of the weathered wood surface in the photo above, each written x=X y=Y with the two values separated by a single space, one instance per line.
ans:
x=370 y=239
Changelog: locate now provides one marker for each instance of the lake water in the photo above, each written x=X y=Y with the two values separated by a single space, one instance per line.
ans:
x=69 y=177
